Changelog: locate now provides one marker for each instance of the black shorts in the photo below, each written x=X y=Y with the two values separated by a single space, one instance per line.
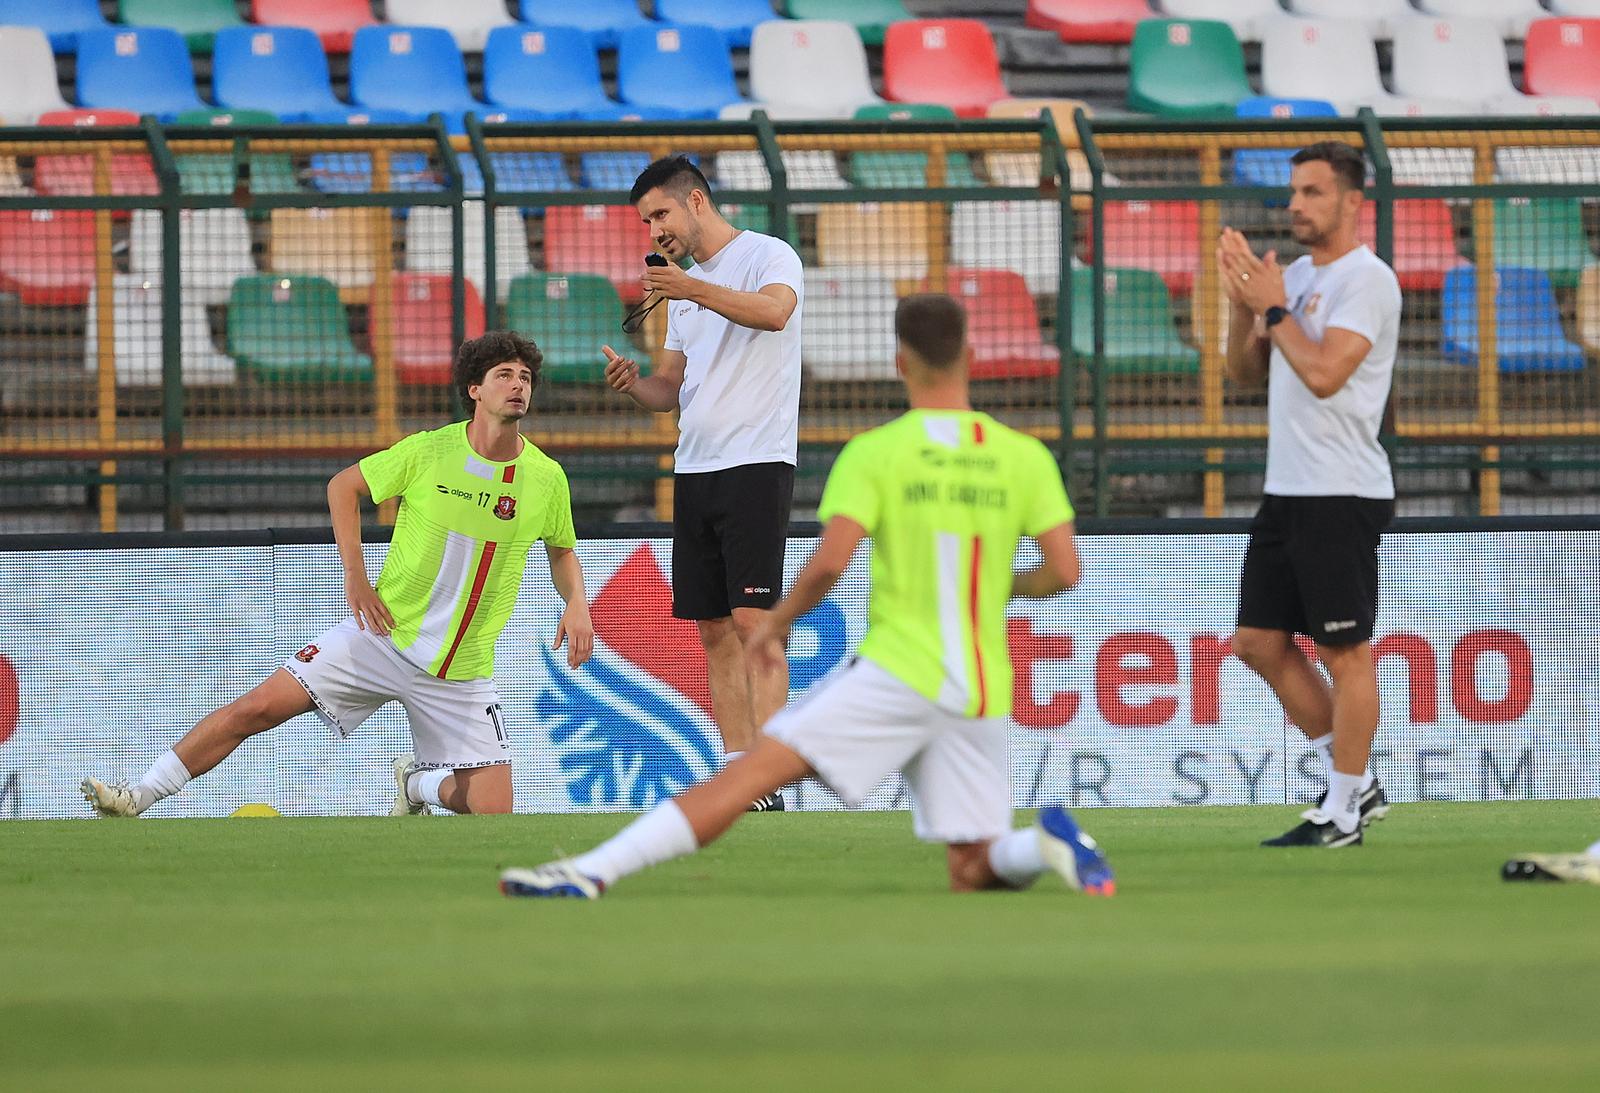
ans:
x=728 y=534
x=1312 y=567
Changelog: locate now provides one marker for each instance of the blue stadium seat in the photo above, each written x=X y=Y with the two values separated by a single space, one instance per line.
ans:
x=351 y=173
x=143 y=69
x=1270 y=167
x=603 y=20
x=61 y=20
x=417 y=70
x=611 y=170
x=552 y=71
x=683 y=70
x=281 y=69
x=1528 y=336
x=736 y=19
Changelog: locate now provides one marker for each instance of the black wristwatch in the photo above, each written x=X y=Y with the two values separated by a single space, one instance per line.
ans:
x=1274 y=315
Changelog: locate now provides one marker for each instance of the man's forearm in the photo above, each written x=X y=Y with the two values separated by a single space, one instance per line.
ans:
x=1246 y=353
x=1305 y=357
x=566 y=573
x=344 y=507
x=654 y=393
x=755 y=310
x=810 y=588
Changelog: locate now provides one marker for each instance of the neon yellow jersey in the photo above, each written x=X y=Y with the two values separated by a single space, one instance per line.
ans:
x=460 y=544
x=945 y=496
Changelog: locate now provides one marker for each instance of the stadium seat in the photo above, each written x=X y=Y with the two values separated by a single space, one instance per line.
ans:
x=197 y=20
x=142 y=69
x=1247 y=18
x=537 y=172
x=1510 y=18
x=891 y=238
x=571 y=316
x=468 y=21
x=334 y=22
x=1379 y=17
x=1140 y=335
x=73 y=175
x=813 y=69
x=1163 y=236
x=607 y=240
x=1543 y=106
x=603 y=20
x=849 y=329
x=1024 y=236
x=1562 y=57
x=1424 y=241
x=47 y=256
x=137 y=342
x=1544 y=234
x=1456 y=59
x=428 y=244
x=1337 y=61
x=948 y=61
x=1573 y=166
x=682 y=71
x=611 y=170
x=420 y=336
x=1270 y=166
x=213 y=173
x=891 y=170
x=553 y=71
x=814 y=169
x=339 y=245
x=281 y=69
x=1588 y=308
x=1002 y=325
x=871 y=18
x=60 y=20
x=351 y=173
x=11 y=184
x=28 y=85
x=214 y=250
x=1102 y=22
x=1583 y=9
x=735 y=20
x=1022 y=168
x=292 y=329
x=1192 y=68
x=1528 y=334
x=415 y=69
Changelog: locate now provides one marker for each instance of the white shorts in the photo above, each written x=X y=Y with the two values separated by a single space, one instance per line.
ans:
x=865 y=723
x=350 y=672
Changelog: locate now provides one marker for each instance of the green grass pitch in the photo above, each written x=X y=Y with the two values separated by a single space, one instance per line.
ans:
x=805 y=951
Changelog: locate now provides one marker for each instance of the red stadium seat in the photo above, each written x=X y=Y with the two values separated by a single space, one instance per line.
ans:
x=1002 y=325
x=1163 y=236
x=47 y=256
x=1424 y=241
x=1104 y=21
x=605 y=239
x=951 y=62
x=423 y=347
x=1562 y=57
x=334 y=21
x=131 y=172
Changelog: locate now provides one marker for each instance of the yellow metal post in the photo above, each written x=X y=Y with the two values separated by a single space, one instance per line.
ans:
x=1483 y=229
x=1212 y=344
x=104 y=318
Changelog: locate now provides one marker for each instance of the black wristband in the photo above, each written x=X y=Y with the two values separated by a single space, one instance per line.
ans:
x=1274 y=315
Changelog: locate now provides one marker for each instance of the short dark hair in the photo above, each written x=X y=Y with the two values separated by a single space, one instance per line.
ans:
x=1346 y=160
x=932 y=325
x=477 y=355
x=675 y=174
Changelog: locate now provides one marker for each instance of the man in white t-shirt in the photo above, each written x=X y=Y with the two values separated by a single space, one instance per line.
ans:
x=731 y=367
x=1322 y=335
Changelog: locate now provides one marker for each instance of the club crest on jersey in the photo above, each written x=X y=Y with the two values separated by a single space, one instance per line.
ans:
x=506 y=507
x=1313 y=303
x=306 y=655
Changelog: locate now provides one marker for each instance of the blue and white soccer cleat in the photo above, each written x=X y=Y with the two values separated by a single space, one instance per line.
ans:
x=1074 y=854
x=552 y=880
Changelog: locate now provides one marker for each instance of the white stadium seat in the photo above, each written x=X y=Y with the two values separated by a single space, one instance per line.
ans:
x=28 y=85
x=1024 y=236
x=1454 y=59
x=1380 y=17
x=468 y=21
x=1510 y=17
x=1582 y=9
x=428 y=243
x=1336 y=60
x=1248 y=18
x=815 y=65
x=213 y=250
x=849 y=327
x=813 y=170
x=136 y=326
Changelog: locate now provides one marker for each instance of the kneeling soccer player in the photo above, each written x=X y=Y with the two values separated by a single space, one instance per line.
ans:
x=476 y=495
x=945 y=493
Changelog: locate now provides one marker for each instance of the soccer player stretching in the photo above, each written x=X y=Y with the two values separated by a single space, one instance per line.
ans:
x=476 y=495
x=945 y=493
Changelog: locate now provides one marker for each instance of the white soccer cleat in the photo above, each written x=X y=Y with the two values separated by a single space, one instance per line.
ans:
x=113 y=800
x=552 y=880
x=403 y=804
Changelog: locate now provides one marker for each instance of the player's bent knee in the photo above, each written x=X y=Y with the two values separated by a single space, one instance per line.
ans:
x=1260 y=649
x=713 y=631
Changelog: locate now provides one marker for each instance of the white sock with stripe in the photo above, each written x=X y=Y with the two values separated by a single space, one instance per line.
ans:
x=659 y=835
x=166 y=776
x=1016 y=858
x=422 y=787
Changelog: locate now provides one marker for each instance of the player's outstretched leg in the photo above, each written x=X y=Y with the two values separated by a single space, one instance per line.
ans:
x=483 y=790
x=674 y=828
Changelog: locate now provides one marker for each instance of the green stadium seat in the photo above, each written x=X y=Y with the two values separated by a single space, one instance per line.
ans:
x=197 y=20
x=292 y=329
x=1140 y=336
x=1542 y=233
x=570 y=316
x=893 y=170
x=270 y=173
x=1186 y=68
x=871 y=18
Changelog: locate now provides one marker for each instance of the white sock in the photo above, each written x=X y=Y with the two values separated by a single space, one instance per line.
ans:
x=1015 y=858
x=1343 y=804
x=166 y=776
x=659 y=835
x=1323 y=745
x=422 y=787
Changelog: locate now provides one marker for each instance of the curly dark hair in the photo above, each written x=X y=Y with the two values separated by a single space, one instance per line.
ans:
x=478 y=355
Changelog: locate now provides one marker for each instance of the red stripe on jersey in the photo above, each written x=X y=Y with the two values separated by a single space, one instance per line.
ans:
x=472 y=605
x=509 y=474
x=972 y=611
x=977 y=432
